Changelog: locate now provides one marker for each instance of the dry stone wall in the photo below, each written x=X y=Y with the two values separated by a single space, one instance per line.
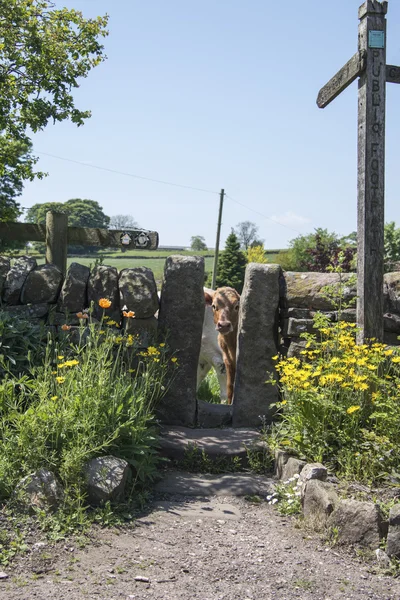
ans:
x=302 y=295
x=41 y=293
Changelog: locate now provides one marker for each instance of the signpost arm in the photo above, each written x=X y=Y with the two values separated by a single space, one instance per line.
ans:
x=371 y=170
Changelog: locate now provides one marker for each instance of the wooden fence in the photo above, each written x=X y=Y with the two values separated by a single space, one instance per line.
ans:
x=57 y=235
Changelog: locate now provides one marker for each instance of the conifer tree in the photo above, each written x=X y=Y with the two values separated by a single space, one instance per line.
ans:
x=231 y=264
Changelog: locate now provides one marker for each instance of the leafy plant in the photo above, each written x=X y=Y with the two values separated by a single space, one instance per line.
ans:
x=209 y=389
x=287 y=496
x=341 y=401
x=22 y=343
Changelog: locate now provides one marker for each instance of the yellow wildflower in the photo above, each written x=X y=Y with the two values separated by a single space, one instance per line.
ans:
x=104 y=303
x=174 y=359
x=396 y=359
x=352 y=409
x=60 y=357
x=54 y=398
x=162 y=345
x=60 y=379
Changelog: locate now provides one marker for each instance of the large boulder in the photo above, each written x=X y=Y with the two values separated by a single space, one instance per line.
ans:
x=43 y=284
x=138 y=291
x=319 y=500
x=392 y=292
x=393 y=537
x=103 y=283
x=306 y=290
x=16 y=278
x=41 y=490
x=4 y=268
x=180 y=319
x=33 y=311
x=106 y=478
x=257 y=344
x=73 y=296
x=357 y=523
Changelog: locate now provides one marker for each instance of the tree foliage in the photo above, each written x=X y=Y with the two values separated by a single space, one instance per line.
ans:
x=81 y=213
x=231 y=264
x=321 y=250
x=392 y=245
x=198 y=243
x=123 y=222
x=247 y=234
x=43 y=53
x=256 y=254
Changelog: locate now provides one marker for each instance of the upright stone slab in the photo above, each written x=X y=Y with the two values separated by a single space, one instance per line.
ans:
x=257 y=344
x=16 y=278
x=73 y=296
x=138 y=291
x=4 y=268
x=181 y=318
x=103 y=283
x=43 y=284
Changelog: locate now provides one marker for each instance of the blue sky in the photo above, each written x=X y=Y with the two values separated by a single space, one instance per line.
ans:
x=220 y=94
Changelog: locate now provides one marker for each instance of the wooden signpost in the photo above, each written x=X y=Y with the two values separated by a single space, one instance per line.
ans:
x=369 y=66
x=58 y=235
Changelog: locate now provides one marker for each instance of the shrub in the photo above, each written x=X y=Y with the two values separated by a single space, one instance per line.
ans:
x=87 y=400
x=22 y=344
x=256 y=254
x=341 y=403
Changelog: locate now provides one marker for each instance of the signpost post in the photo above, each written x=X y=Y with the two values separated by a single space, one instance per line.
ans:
x=369 y=66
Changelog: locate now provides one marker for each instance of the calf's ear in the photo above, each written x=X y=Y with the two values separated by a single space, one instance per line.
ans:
x=208 y=298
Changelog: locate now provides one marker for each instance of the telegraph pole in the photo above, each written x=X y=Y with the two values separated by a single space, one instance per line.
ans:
x=221 y=203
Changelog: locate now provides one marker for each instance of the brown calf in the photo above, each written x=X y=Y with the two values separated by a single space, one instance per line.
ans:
x=225 y=305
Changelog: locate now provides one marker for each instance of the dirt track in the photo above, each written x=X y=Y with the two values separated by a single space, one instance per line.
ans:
x=206 y=549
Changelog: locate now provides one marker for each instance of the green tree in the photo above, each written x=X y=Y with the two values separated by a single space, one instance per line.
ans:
x=81 y=213
x=43 y=53
x=198 y=243
x=247 y=234
x=256 y=254
x=300 y=247
x=392 y=245
x=231 y=264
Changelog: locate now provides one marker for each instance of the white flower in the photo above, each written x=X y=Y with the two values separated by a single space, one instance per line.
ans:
x=124 y=307
x=296 y=476
x=274 y=501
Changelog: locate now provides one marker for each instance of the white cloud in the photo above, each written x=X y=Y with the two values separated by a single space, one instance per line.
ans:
x=290 y=219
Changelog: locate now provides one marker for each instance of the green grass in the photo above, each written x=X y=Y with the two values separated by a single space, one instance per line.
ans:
x=156 y=264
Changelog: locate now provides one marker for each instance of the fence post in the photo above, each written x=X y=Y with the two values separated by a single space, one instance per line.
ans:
x=56 y=240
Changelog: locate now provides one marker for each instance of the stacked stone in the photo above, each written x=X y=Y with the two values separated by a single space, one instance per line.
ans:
x=28 y=290
x=40 y=293
x=302 y=295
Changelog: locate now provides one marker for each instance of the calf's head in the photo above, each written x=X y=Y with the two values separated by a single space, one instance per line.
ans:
x=225 y=305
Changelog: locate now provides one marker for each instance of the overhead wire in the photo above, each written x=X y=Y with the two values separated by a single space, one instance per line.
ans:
x=161 y=181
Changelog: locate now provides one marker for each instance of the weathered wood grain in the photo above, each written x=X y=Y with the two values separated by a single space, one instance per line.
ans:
x=392 y=74
x=22 y=232
x=56 y=240
x=343 y=78
x=371 y=177
x=30 y=232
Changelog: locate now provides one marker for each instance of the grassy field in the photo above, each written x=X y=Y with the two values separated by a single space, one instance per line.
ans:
x=154 y=260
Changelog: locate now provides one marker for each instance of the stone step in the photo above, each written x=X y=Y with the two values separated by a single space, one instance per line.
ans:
x=216 y=443
x=180 y=483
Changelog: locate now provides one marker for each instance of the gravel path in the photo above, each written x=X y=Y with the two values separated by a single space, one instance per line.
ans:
x=205 y=548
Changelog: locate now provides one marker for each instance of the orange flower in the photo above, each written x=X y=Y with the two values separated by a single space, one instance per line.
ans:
x=82 y=315
x=104 y=303
x=130 y=314
x=65 y=327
